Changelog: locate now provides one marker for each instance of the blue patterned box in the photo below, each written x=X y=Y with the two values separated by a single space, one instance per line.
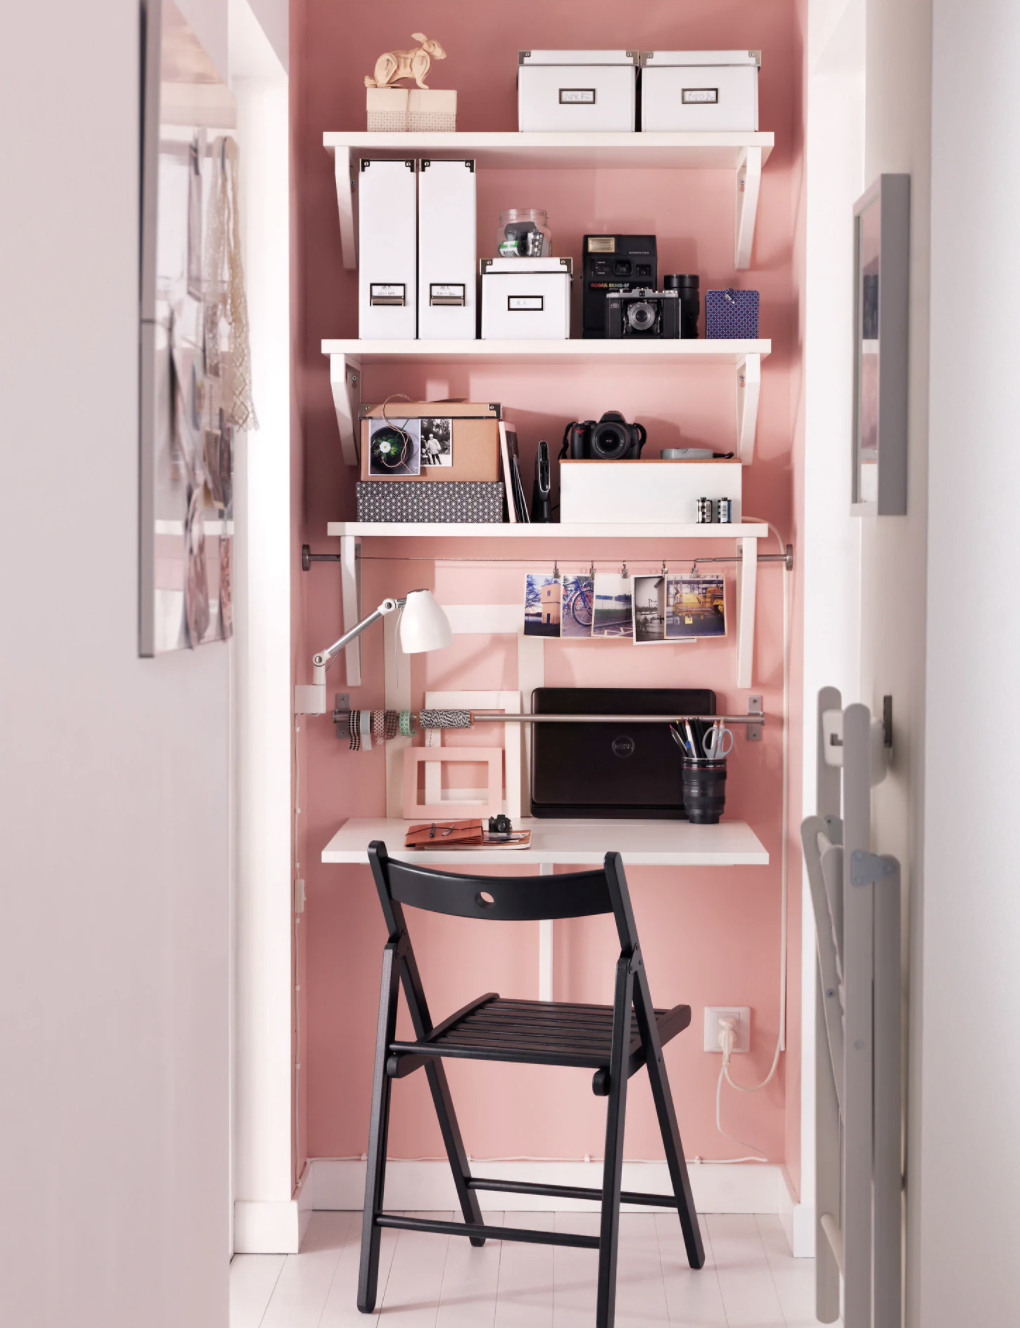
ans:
x=731 y=315
x=475 y=501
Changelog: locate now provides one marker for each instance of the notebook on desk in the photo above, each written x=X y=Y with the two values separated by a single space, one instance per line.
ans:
x=619 y=770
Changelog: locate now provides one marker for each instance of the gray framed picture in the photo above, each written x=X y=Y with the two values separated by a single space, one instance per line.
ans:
x=881 y=347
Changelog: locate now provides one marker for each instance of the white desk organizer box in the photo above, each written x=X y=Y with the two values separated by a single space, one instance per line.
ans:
x=577 y=91
x=525 y=299
x=614 y=492
x=698 y=90
x=388 y=248
x=447 y=244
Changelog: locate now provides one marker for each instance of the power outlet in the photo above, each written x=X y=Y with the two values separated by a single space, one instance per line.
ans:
x=740 y=1014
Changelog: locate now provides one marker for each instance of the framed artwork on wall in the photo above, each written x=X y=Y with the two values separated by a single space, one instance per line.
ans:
x=195 y=384
x=881 y=347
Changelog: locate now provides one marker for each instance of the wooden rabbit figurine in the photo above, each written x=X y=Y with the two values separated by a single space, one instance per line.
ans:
x=396 y=65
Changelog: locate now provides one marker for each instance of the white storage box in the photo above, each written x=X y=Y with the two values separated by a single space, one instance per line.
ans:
x=577 y=90
x=699 y=90
x=388 y=250
x=657 y=492
x=447 y=246
x=526 y=299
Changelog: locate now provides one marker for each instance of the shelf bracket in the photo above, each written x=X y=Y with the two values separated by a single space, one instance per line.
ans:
x=747 y=589
x=748 y=189
x=344 y=164
x=345 y=381
x=748 y=391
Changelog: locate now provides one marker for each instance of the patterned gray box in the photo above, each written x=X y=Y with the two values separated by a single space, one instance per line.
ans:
x=426 y=501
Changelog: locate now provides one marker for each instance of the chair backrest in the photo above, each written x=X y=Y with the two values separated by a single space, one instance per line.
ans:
x=503 y=898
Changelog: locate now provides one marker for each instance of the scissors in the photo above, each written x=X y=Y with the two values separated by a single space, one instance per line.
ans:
x=718 y=742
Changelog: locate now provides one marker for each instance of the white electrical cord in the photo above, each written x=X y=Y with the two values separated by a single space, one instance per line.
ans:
x=785 y=886
x=726 y=1040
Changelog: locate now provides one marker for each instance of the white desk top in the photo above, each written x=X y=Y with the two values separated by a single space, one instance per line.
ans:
x=574 y=843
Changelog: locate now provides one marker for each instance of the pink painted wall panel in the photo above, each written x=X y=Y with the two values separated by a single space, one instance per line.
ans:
x=711 y=935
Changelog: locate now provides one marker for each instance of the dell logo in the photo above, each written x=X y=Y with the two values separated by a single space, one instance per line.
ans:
x=623 y=746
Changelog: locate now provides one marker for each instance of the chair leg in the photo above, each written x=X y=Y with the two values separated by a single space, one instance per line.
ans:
x=609 y=1231
x=664 y=1109
x=455 y=1151
x=375 y=1179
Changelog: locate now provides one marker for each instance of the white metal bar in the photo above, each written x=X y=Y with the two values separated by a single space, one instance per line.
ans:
x=747 y=585
x=344 y=166
x=397 y=675
x=828 y=782
x=350 y=591
x=748 y=394
x=345 y=382
x=748 y=189
x=858 y=967
x=888 y=1116
x=546 y=941
x=834 y=1240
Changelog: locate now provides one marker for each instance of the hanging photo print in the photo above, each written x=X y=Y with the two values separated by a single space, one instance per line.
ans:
x=394 y=447
x=613 y=611
x=436 y=442
x=542 y=600
x=695 y=607
x=649 y=610
x=578 y=605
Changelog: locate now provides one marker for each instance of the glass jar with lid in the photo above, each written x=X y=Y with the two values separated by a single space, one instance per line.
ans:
x=524 y=233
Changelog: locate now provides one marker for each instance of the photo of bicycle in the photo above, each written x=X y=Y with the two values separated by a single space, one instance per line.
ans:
x=578 y=606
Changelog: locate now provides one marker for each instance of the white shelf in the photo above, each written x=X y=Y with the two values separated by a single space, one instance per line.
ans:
x=512 y=151
x=574 y=351
x=742 y=153
x=568 y=843
x=408 y=530
x=347 y=358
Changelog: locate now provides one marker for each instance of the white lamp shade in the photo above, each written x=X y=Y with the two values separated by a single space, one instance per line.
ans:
x=424 y=625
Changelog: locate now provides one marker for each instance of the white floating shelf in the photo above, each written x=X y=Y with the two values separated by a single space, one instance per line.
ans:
x=569 y=843
x=575 y=351
x=410 y=530
x=347 y=357
x=742 y=153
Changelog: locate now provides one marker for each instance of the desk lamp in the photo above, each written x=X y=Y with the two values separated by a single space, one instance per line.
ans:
x=423 y=626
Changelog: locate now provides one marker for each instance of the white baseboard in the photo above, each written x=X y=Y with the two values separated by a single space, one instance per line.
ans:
x=798 y=1219
x=274 y=1227
x=427 y=1186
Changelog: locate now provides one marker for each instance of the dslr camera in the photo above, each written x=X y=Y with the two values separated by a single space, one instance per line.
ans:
x=643 y=313
x=609 y=439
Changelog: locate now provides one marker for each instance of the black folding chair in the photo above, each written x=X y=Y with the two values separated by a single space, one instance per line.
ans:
x=614 y=1041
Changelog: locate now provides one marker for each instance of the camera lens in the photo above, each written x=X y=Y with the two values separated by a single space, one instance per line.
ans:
x=608 y=442
x=640 y=316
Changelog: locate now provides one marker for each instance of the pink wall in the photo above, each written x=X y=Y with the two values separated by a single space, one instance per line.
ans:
x=710 y=936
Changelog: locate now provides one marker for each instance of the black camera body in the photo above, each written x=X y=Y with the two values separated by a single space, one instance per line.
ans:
x=609 y=439
x=614 y=263
x=648 y=314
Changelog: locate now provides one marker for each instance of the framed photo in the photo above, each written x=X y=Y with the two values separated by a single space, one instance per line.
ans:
x=695 y=607
x=649 y=610
x=437 y=442
x=394 y=447
x=881 y=351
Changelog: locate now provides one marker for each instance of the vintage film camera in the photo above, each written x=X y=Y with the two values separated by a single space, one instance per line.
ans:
x=643 y=313
x=614 y=263
x=609 y=439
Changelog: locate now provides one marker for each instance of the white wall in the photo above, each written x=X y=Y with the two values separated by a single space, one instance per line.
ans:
x=115 y=815
x=968 y=1153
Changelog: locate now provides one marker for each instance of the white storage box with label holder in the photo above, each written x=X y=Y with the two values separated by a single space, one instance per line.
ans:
x=577 y=91
x=447 y=245
x=388 y=250
x=699 y=90
x=526 y=299
x=658 y=492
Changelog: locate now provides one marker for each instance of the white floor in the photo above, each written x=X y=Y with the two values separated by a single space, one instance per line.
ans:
x=426 y=1281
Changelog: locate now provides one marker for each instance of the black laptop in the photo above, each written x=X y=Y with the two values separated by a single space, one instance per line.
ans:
x=619 y=770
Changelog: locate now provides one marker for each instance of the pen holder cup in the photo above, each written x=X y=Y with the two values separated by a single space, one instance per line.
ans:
x=704 y=786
